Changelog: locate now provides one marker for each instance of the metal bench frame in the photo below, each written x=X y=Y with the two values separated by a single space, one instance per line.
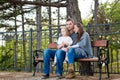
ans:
x=102 y=56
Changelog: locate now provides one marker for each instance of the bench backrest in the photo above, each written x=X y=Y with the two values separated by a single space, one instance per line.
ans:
x=96 y=43
x=102 y=49
x=52 y=45
x=100 y=43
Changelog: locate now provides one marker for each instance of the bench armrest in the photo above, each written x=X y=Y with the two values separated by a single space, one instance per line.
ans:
x=52 y=45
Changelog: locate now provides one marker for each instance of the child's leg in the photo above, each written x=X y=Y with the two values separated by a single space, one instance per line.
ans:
x=66 y=58
x=55 y=61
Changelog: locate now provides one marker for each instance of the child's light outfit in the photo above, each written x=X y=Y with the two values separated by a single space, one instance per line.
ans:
x=65 y=39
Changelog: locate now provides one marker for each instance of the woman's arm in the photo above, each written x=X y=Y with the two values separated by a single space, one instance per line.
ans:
x=82 y=42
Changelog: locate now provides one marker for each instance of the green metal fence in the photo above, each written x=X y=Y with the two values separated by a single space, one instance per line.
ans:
x=111 y=32
x=8 y=59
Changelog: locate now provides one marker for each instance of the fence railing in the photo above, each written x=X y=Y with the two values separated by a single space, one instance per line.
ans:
x=110 y=32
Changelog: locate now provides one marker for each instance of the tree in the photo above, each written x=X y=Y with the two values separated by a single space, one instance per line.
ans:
x=108 y=13
x=74 y=12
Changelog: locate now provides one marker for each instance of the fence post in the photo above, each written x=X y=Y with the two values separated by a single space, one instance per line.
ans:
x=30 y=50
x=88 y=28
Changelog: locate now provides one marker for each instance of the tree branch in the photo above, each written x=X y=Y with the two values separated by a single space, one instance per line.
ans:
x=54 y=4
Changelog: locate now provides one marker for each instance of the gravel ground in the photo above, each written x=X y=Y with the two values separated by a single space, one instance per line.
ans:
x=28 y=76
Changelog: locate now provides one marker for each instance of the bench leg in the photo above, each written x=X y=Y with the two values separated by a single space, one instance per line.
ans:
x=35 y=65
x=106 y=63
x=107 y=70
x=100 y=70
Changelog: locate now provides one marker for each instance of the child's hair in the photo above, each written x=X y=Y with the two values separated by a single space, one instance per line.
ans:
x=66 y=30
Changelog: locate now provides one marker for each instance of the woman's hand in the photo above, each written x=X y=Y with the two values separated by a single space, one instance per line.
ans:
x=69 y=47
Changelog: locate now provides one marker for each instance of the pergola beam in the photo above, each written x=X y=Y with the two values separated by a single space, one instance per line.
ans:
x=53 y=4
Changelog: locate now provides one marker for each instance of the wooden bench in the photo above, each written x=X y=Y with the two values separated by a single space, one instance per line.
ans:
x=102 y=55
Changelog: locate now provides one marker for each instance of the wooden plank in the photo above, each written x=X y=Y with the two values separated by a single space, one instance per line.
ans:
x=95 y=59
x=52 y=45
x=41 y=59
x=99 y=43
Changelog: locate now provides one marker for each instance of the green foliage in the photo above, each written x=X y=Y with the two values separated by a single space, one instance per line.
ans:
x=108 y=12
x=85 y=22
x=114 y=68
x=7 y=55
x=113 y=11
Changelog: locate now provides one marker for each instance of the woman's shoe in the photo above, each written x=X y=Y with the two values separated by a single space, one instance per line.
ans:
x=71 y=73
x=70 y=76
x=71 y=68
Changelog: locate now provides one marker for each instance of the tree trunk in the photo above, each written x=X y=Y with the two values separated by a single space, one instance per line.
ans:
x=73 y=10
x=39 y=28
x=16 y=43
x=74 y=13
x=86 y=68
x=39 y=32
x=24 y=40
x=50 y=22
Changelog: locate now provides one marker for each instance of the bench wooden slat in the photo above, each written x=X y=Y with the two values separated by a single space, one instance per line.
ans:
x=52 y=45
x=41 y=59
x=99 y=43
x=95 y=59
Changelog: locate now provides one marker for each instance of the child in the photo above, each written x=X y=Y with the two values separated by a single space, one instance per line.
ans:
x=63 y=41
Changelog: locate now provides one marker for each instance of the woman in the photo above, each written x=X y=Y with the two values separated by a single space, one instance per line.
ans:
x=81 y=49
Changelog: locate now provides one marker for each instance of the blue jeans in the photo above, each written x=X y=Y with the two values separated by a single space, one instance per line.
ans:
x=72 y=56
x=50 y=53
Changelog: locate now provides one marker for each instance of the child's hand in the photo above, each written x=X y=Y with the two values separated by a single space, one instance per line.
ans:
x=63 y=43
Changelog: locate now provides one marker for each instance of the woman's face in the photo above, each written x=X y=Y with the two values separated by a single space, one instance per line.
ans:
x=76 y=29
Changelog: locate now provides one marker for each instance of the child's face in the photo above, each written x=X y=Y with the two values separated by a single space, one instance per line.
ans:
x=63 y=32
